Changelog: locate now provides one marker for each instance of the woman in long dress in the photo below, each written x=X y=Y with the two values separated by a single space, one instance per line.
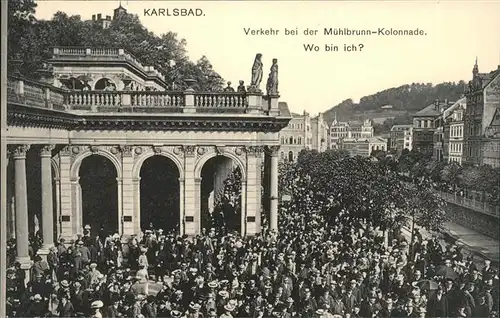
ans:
x=256 y=71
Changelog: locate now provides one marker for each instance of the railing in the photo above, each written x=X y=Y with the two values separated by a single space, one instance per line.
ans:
x=220 y=100
x=157 y=99
x=119 y=54
x=35 y=94
x=475 y=205
x=81 y=100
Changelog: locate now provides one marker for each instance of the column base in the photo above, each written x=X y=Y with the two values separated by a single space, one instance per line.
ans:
x=44 y=251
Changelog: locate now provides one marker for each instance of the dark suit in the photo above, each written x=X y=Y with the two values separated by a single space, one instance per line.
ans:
x=65 y=310
x=437 y=307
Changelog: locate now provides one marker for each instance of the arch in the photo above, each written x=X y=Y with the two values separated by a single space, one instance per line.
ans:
x=290 y=156
x=101 y=83
x=55 y=169
x=201 y=162
x=136 y=169
x=159 y=197
x=75 y=167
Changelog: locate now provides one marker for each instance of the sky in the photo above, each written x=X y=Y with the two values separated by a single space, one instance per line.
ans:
x=456 y=33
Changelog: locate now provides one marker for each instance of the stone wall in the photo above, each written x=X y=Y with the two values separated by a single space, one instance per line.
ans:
x=480 y=222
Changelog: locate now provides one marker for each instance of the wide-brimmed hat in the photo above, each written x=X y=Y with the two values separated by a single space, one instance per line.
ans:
x=140 y=297
x=194 y=306
x=289 y=300
x=97 y=304
x=228 y=307
x=37 y=297
x=93 y=265
x=87 y=227
x=175 y=313
x=320 y=312
x=213 y=284
x=64 y=283
x=223 y=293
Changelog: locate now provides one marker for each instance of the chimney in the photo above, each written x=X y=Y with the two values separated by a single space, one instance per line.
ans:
x=99 y=16
x=436 y=104
x=108 y=17
x=93 y=17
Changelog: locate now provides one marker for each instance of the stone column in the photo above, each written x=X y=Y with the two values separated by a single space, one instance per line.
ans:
x=273 y=211
x=191 y=193
x=21 y=198
x=47 y=206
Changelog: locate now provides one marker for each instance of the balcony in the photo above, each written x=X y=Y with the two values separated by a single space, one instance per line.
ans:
x=29 y=93
x=103 y=54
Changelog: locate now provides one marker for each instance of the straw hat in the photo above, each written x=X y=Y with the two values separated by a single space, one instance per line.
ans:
x=97 y=304
x=228 y=307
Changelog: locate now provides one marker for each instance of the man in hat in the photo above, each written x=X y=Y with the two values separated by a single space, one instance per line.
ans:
x=149 y=307
x=96 y=309
x=112 y=310
x=137 y=308
x=65 y=307
x=36 y=308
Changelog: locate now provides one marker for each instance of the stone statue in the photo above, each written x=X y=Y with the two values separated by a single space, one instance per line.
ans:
x=256 y=73
x=241 y=87
x=272 y=81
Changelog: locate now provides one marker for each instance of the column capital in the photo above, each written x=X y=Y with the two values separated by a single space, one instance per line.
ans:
x=46 y=151
x=273 y=150
x=255 y=150
x=19 y=151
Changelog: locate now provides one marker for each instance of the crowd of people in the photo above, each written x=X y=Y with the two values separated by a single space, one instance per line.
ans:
x=307 y=268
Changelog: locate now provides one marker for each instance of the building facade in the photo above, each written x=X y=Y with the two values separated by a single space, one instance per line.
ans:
x=349 y=130
x=296 y=136
x=320 y=133
x=363 y=146
x=401 y=137
x=424 y=127
x=60 y=140
x=483 y=102
x=453 y=132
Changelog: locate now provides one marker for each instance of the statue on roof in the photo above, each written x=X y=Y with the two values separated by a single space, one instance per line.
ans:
x=272 y=80
x=256 y=73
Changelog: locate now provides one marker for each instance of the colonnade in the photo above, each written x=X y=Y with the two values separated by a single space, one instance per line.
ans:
x=128 y=160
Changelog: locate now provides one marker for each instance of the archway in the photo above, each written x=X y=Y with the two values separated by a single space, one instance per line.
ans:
x=104 y=84
x=99 y=195
x=160 y=194
x=221 y=183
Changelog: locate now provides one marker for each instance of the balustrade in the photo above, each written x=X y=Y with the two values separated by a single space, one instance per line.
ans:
x=220 y=100
x=30 y=93
x=475 y=205
x=157 y=99
x=82 y=99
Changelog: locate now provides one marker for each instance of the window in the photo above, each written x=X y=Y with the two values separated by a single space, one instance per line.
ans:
x=290 y=156
x=291 y=141
x=300 y=141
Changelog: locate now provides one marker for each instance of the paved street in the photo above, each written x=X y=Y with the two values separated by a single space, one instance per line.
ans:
x=482 y=245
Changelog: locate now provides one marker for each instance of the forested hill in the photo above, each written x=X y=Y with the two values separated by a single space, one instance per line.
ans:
x=31 y=42
x=407 y=98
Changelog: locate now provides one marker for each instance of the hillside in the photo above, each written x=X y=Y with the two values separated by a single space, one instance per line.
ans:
x=405 y=100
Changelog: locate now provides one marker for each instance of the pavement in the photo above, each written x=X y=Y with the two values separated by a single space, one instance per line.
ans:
x=481 y=246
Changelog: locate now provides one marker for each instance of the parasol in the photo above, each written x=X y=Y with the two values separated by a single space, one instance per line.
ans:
x=427 y=284
x=446 y=272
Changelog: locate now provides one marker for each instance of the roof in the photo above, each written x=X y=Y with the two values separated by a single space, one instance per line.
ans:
x=284 y=111
x=486 y=78
x=395 y=127
x=429 y=111
x=355 y=123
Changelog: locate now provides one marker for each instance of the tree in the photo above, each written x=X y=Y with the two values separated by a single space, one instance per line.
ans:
x=31 y=41
x=331 y=183
x=451 y=173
